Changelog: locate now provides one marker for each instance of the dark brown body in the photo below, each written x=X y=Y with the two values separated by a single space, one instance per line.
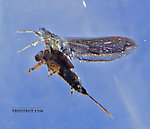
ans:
x=58 y=63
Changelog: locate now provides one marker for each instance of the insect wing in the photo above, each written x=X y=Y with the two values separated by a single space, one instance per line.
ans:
x=100 y=49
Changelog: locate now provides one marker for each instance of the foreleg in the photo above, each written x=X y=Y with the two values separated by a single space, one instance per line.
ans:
x=35 y=67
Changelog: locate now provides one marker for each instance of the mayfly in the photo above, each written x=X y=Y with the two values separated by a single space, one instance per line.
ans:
x=58 y=63
x=93 y=50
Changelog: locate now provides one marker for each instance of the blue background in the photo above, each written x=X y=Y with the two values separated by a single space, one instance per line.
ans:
x=121 y=86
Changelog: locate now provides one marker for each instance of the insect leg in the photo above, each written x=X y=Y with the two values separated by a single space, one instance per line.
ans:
x=35 y=67
x=55 y=69
x=34 y=43
x=49 y=70
x=71 y=91
x=30 y=31
x=52 y=73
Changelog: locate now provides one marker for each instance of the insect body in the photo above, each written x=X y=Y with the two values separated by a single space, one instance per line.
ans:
x=95 y=49
x=58 y=63
x=91 y=50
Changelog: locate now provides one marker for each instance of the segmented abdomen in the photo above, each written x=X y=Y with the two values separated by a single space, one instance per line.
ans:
x=72 y=79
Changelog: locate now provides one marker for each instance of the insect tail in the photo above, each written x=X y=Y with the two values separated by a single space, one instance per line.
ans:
x=100 y=106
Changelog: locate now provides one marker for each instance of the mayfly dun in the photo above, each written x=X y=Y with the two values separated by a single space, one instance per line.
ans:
x=84 y=49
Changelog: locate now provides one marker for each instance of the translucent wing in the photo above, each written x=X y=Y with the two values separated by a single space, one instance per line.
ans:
x=99 y=49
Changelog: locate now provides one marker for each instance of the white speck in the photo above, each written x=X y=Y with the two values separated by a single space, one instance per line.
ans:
x=108 y=42
x=144 y=40
x=84 y=4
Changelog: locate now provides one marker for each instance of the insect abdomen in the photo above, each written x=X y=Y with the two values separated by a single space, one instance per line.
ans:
x=72 y=79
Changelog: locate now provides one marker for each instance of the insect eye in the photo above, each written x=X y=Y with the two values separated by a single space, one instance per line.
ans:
x=42 y=30
x=39 y=56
